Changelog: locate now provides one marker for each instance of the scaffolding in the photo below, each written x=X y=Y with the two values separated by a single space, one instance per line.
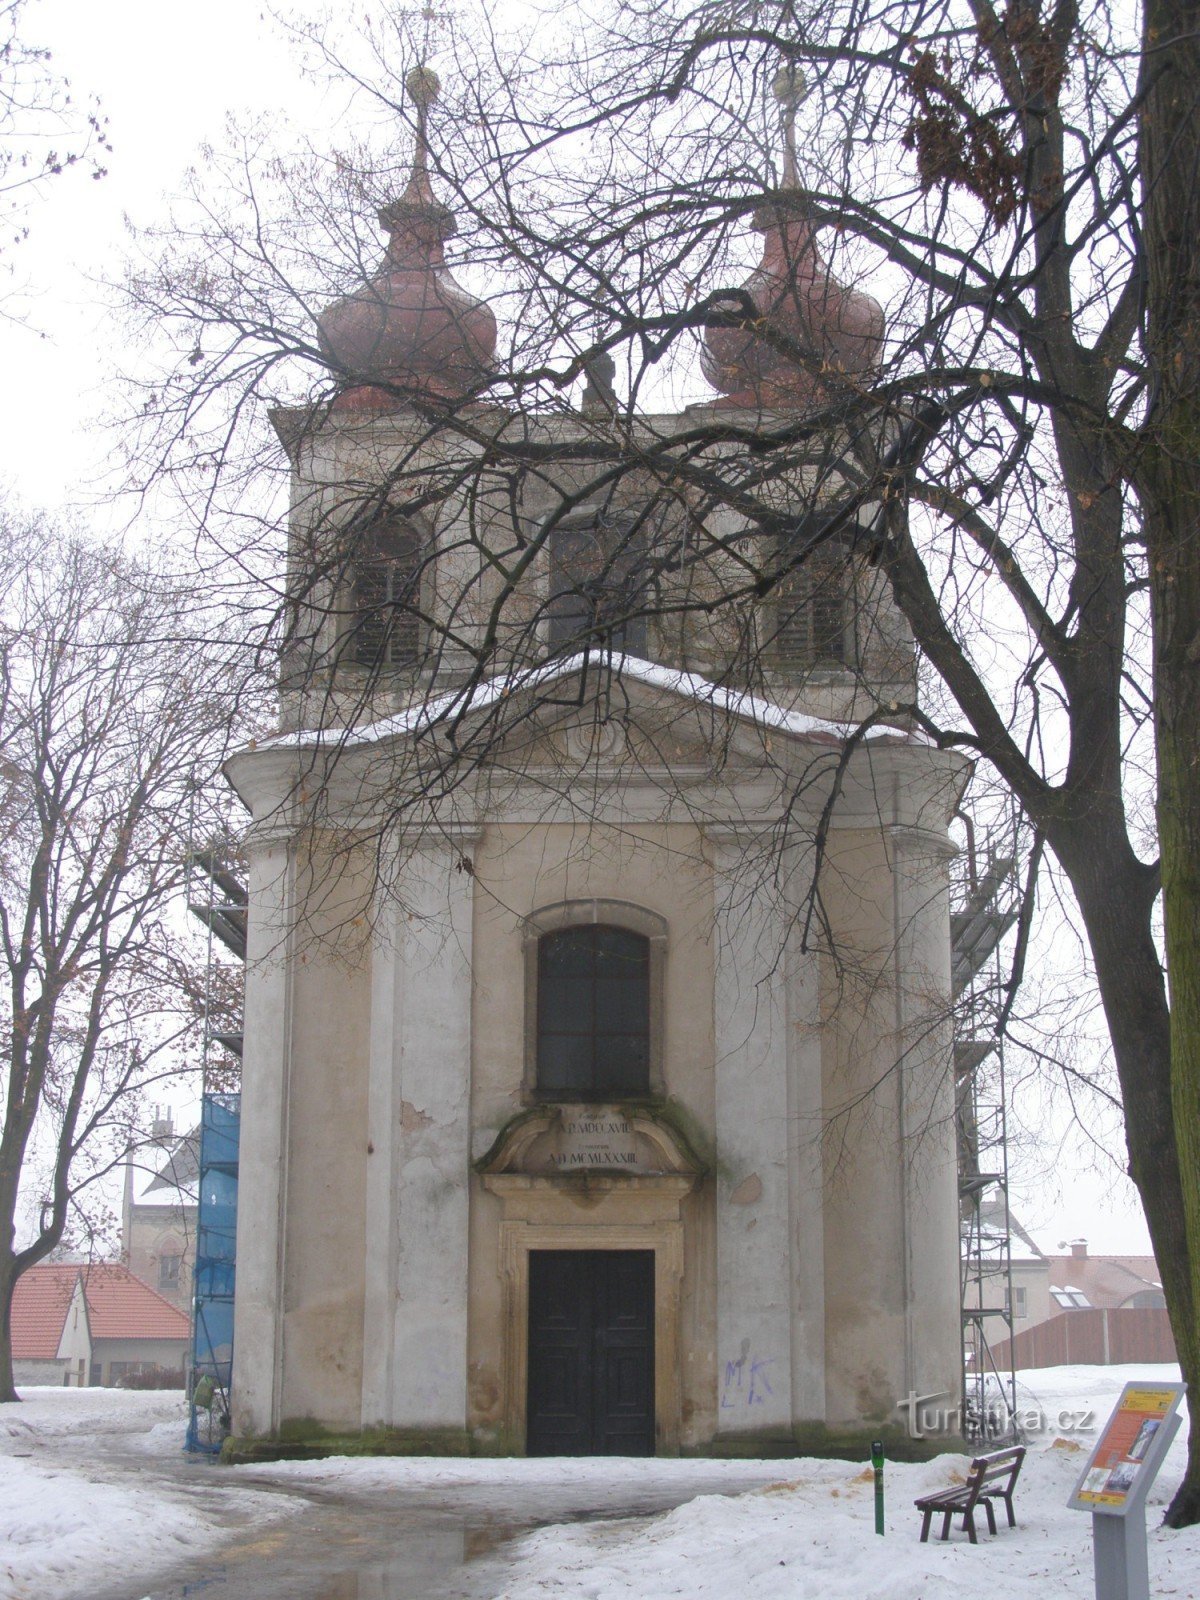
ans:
x=216 y=1241
x=219 y=901
x=987 y=913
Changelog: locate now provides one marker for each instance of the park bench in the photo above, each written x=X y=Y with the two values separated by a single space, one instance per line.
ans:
x=992 y=1477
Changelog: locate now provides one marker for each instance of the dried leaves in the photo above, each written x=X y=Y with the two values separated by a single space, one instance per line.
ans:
x=956 y=145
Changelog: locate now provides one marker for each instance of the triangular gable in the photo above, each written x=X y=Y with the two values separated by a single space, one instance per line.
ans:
x=468 y=710
x=121 y=1306
x=42 y=1296
x=74 y=1337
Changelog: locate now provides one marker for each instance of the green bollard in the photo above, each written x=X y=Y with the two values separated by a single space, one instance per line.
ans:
x=877 y=1463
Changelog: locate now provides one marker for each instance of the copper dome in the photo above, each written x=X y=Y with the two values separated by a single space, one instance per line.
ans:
x=412 y=326
x=836 y=330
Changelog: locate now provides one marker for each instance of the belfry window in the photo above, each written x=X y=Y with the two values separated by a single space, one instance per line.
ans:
x=593 y=1013
x=813 y=625
x=387 y=579
x=597 y=584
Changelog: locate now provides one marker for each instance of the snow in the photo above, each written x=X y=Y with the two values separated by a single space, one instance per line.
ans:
x=73 y=1519
x=811 y=1536
x=47 y=1413
x=426 y=715
x=70 y=1521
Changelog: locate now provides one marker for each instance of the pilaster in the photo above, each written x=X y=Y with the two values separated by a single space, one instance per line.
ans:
x=754 y=1138
x=417 y=1200
x=262 y=1163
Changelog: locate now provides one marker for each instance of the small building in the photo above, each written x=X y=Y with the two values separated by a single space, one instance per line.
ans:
x=158 y=1213
x=92 y=1325
x=1084 y=1309
x=1078 y=1280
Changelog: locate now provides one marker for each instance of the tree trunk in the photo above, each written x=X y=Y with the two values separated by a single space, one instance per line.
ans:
x=7 y=1285
x=1169 y=481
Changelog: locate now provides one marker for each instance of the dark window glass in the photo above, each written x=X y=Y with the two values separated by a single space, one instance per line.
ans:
x=593 y=1013
x=597 y=586
x=386 y=597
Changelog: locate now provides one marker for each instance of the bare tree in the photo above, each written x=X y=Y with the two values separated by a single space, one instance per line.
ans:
x=1010 y=449
x=44 y=130
x=109 y=735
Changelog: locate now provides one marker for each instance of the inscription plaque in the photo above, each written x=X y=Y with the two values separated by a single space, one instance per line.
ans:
x=590 y=1139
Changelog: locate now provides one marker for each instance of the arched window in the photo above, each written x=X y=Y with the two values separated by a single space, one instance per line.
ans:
x=593 y=1013
x=387 y=572
x=598 y=579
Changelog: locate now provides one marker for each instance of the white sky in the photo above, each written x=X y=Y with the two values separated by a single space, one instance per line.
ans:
x=167 y=77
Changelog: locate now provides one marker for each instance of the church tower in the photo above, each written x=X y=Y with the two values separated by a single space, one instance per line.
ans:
x=597 y=1091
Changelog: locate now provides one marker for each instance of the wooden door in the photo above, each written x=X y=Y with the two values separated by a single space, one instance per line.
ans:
x=591 y=1352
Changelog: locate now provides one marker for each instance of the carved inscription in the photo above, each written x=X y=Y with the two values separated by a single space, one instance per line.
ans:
x=593 y=1139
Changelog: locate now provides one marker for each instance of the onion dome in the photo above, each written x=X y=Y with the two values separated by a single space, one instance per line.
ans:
x=836 y=330
x=412 y=325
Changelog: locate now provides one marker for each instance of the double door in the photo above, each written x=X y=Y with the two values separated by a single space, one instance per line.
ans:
x=591 y=1353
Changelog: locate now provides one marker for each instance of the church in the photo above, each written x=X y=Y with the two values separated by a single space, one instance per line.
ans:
x=597 y=1090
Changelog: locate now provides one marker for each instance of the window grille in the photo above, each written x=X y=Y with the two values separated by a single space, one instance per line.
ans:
x=593 y=1013
x=386 y=628
x=813 y=622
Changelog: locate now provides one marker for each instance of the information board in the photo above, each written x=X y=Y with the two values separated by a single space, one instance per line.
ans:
x=1129 y=1451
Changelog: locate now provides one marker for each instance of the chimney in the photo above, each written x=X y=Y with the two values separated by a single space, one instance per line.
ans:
x=1079 y=1249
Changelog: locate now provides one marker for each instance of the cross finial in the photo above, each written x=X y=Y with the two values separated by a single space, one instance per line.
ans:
x=790 y=89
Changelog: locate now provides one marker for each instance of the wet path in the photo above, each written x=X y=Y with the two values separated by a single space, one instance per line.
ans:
x=406 y=1542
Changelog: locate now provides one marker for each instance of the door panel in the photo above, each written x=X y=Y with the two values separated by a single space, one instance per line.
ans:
x=591 y=1352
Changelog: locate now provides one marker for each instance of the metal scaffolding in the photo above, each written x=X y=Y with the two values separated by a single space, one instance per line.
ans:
x=218 y=899
x=986 y=914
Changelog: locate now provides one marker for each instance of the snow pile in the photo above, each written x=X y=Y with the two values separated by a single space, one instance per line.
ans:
x=84 y=1503
x=73 y=1519
x=44 y=1413
x=60 y=1530
x=598 y=1475
x=811 y=1537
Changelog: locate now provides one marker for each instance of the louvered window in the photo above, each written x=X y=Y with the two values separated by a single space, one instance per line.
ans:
x=386 y=626
x=813 y=623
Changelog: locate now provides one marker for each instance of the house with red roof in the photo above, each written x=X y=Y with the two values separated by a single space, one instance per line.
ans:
x=79 y=1325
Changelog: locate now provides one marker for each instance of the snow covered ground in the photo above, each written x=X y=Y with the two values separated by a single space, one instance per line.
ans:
x=69 y=1520
x=74 y=1518
x=811 y=1536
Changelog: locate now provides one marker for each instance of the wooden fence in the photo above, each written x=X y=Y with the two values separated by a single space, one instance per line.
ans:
x=1092 y=1337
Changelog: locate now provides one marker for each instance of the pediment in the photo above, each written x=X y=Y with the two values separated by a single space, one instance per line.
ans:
x=641 y=742
x=564 y=1141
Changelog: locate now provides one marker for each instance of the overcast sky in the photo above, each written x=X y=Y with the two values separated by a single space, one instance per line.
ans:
x=168 y=76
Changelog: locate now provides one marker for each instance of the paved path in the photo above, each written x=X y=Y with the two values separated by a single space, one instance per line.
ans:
x=345 y=1542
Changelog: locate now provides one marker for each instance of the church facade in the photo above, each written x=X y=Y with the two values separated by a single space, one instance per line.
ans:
x=597 y=1083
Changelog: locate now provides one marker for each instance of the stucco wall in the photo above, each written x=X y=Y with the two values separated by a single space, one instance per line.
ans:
x=891 y=1210
x=326 y=1152
x=519 y=870
x=808 y=1063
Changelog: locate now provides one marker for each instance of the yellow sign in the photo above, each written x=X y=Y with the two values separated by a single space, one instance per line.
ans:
x=1120 y=1456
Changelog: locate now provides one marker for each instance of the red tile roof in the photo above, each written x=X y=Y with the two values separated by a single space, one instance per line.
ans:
x=41 y=1300
x=1106 y=1280
x=120 y=1306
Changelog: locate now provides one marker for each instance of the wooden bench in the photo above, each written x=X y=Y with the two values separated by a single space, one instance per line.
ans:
x=992 y=1477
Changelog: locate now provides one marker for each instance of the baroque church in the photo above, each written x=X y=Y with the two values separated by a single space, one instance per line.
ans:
x=597 y=1093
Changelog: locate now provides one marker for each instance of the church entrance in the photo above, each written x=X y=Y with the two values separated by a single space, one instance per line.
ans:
x=591 y=1353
